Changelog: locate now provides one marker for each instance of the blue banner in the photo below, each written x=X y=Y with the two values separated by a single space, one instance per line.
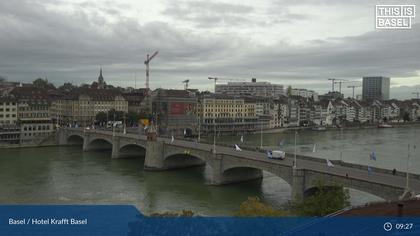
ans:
x=83 y=220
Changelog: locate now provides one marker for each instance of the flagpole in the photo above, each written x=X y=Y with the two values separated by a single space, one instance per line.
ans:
x=261 y=138
x=408 y=162
x=341 y=147
x=294 y=161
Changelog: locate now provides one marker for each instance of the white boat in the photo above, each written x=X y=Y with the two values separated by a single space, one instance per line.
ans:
x=383 y=125
x=319 y=128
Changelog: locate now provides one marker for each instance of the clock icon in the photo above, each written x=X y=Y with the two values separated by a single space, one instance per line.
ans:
x=387 y=226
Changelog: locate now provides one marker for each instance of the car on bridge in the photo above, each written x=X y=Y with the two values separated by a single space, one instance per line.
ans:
x=276 y=154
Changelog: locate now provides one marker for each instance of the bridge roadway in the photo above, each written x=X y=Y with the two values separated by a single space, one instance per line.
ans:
x=249 y=165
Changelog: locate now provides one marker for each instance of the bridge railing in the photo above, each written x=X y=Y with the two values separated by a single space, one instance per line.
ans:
x=257 y=149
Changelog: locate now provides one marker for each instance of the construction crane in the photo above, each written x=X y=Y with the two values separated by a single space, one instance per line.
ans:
x=333 y=82
x=223 y=79
x=215 y=81
x=354 y=86
x=186 y=83
x=416 y=93
x=148 y=94
x=146 y=62
x=341 y=81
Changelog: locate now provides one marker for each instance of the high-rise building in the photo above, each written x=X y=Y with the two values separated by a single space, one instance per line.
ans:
x=376 y=87
x=253 y=88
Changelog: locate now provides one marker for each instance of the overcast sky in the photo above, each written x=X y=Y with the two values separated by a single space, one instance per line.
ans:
x=297 y=43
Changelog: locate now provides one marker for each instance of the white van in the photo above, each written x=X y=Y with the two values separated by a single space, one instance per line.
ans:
x=276 y=154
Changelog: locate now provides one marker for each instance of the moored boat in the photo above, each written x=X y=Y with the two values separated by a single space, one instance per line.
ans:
x=383 y=125
x=319 y=128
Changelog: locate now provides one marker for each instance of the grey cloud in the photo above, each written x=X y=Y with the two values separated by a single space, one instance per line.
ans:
x=209 y=14
x=37 y=42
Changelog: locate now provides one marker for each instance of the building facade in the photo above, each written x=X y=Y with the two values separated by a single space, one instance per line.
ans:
x=175 y=112
x=33 y=112
x=228 y=114
x=376 y=87
x=253 y=88
x=80 y=106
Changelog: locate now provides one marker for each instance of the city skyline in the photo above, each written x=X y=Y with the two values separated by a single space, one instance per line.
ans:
x=298 y=44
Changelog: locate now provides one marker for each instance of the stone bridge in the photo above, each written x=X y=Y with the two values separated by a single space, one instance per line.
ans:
x=230 y=166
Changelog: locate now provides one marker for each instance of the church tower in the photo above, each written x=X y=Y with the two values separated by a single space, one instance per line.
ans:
x=101 y=82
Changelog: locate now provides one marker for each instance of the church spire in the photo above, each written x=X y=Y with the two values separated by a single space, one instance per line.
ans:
x=101 y=82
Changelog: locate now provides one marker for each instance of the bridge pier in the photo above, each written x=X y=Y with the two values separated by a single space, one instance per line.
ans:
x=154 y=158
x=216 y=170
x=86 y=141
x=115 y=147
x=298 y=184
x=62 y=137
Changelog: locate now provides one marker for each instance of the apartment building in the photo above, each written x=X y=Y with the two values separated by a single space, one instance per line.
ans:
x=253 y=88
x=228 y=114
x=33 y=112
x=8 y=111
x=80 y=106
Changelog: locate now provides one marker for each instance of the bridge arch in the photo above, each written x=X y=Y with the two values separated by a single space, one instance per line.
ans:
x=99 y=144
x=132 y=150
x=182 y=160
x=75 y=139
x=285 y=174
x=384 y=192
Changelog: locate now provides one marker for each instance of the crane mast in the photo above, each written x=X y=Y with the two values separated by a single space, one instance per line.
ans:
x=353 y=86
x=186 y=83
x=146 y=62
x=148 y=94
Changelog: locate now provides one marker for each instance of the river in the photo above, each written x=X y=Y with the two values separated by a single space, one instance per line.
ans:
x=67 y=175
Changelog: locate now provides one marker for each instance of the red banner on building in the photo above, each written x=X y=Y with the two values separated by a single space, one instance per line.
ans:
x=181 y=108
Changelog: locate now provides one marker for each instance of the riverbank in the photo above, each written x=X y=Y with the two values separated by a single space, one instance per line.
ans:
x=309 y=128
x=49 y=141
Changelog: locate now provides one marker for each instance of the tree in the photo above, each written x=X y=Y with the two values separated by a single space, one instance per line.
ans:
x=289 y=91
x=119 y=115
x=325 y=200
x=67 y=86
x=101 y=117
x=94 y=85
x=40 y=83
x=132 y=118
x=254 y=207
x=406 y=116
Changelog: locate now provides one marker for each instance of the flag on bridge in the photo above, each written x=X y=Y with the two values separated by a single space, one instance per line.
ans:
x=172 y=139
x=281 y=142
x=370 y=171
x=237 y=148
x=373 y=156
x=329 y=163
x=242 y=138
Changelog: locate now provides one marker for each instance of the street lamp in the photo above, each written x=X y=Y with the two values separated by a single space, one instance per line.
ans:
x=214 y=115
x=199 y=127
x=261 y=134
x=408 y=164
x=125 y=129
x=294 y=161
x=113 y=126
